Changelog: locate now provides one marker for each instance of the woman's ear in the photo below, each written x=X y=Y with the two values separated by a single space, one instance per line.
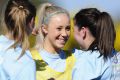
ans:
x=83 y=32
x=31 y=24
x=35 y=31
x=44 y=29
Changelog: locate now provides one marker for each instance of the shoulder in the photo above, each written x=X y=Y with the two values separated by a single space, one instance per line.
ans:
x=14 y=66
x=86 y=54
x=92 y=59
x=11 y=58
x=91 y=64
x=27 y=58
x=5 y=43
x=26 y=62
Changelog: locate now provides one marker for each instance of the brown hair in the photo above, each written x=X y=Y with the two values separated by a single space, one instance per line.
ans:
x=101 y=27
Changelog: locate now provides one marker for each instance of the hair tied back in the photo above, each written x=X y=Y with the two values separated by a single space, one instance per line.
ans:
x=20 y=7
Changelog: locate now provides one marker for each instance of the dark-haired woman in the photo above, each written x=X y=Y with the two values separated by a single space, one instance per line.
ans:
x=94 y=31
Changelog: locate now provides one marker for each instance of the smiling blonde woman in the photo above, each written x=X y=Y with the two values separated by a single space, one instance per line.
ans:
x=53 y=32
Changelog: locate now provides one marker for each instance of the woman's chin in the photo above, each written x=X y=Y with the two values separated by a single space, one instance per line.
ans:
x=60 y=46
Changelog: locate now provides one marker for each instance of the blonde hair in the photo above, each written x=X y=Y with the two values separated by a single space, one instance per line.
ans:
x=18 y=14
x=44 y=14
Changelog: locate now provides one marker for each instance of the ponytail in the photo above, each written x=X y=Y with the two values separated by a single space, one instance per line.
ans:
x=106 y=36
x=18 y=14
x=101 y=27
x=38 y=24
x=19 y=32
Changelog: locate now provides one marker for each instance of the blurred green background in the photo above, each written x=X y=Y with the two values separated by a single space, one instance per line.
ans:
x=73 y=6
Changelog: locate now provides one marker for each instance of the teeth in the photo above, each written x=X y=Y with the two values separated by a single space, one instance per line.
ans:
x=62 y=40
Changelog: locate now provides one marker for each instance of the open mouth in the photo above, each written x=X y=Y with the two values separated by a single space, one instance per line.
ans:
x=62 y=41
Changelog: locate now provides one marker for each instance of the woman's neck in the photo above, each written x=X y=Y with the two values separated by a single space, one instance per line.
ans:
x=88 y=42
x=49 y=47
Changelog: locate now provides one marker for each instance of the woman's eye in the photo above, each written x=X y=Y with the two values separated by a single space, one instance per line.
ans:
x=68 y=28
x=59 y=29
